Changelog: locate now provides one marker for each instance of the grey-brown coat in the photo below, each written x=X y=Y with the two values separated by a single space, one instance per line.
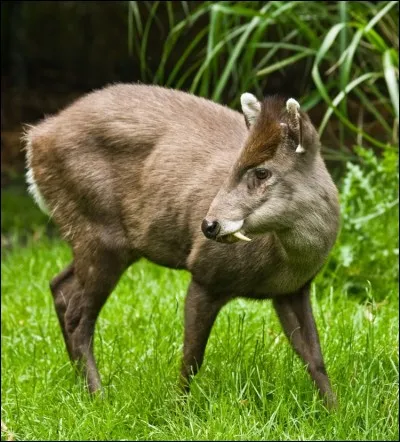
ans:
x=135 y=171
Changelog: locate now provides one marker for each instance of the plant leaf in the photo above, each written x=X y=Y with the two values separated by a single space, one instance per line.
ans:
x=391 y=81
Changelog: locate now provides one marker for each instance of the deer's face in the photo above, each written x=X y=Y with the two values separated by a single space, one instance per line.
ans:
x=266 y=186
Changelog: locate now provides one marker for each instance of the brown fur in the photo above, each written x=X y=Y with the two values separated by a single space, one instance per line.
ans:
x=264 y=139
x=130 y=171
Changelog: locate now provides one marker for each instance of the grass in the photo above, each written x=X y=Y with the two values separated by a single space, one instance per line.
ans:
x=251 y=386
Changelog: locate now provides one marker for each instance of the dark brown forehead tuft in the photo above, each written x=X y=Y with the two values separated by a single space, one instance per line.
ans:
x=273 y=107
x=265 y=135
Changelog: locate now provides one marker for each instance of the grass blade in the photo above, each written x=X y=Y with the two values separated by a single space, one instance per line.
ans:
x=285 y=62
x=336 y=101
x=238 y=10
x=327 y=43
x=240 y=45
x=185 y=55
x=133 y=13
x=391 y=81
x=173 y=37
x=143 y=48
x=214 y=52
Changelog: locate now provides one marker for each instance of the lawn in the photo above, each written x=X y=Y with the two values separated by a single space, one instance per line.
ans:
x=251 y=386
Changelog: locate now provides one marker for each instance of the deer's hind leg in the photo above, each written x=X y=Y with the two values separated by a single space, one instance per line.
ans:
x=62 y=286
x=79 y=293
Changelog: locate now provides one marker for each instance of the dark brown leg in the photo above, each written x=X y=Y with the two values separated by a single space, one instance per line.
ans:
x=200 y=313
x=60 y=287
x=80 y=292
x=298 y=323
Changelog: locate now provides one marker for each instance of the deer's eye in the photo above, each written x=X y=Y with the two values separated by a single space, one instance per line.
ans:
x=262 y=173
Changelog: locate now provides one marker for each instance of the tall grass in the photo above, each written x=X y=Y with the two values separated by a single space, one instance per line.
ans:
x=342 y=57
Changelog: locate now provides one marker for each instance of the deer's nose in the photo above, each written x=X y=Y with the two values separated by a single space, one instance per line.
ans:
x=210 y=228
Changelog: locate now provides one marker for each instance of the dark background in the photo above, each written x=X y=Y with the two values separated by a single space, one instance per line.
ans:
x=54 y=51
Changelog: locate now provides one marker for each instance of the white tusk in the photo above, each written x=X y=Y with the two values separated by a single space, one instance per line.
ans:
x=240 y=235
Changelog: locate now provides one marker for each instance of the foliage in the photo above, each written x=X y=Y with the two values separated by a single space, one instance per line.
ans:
x=366 y=253
x=343 y=57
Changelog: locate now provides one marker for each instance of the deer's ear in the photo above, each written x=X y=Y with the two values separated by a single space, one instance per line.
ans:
x=251 y=108
x=295 y=122
x=301 y=129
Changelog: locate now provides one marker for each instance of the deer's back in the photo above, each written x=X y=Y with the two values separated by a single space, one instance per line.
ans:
x=137 y=165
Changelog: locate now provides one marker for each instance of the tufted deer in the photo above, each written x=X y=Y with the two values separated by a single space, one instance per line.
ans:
x=244 y=204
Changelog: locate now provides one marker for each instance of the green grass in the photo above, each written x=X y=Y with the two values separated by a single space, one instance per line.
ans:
x=251 y=386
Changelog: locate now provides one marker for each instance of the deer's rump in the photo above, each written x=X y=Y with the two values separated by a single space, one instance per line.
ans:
x=134 y=167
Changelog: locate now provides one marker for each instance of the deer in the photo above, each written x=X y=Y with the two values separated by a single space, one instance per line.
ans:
x=241 y=200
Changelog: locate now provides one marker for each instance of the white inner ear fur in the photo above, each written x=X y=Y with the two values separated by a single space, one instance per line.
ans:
x=293 y=106
x=251 y=107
